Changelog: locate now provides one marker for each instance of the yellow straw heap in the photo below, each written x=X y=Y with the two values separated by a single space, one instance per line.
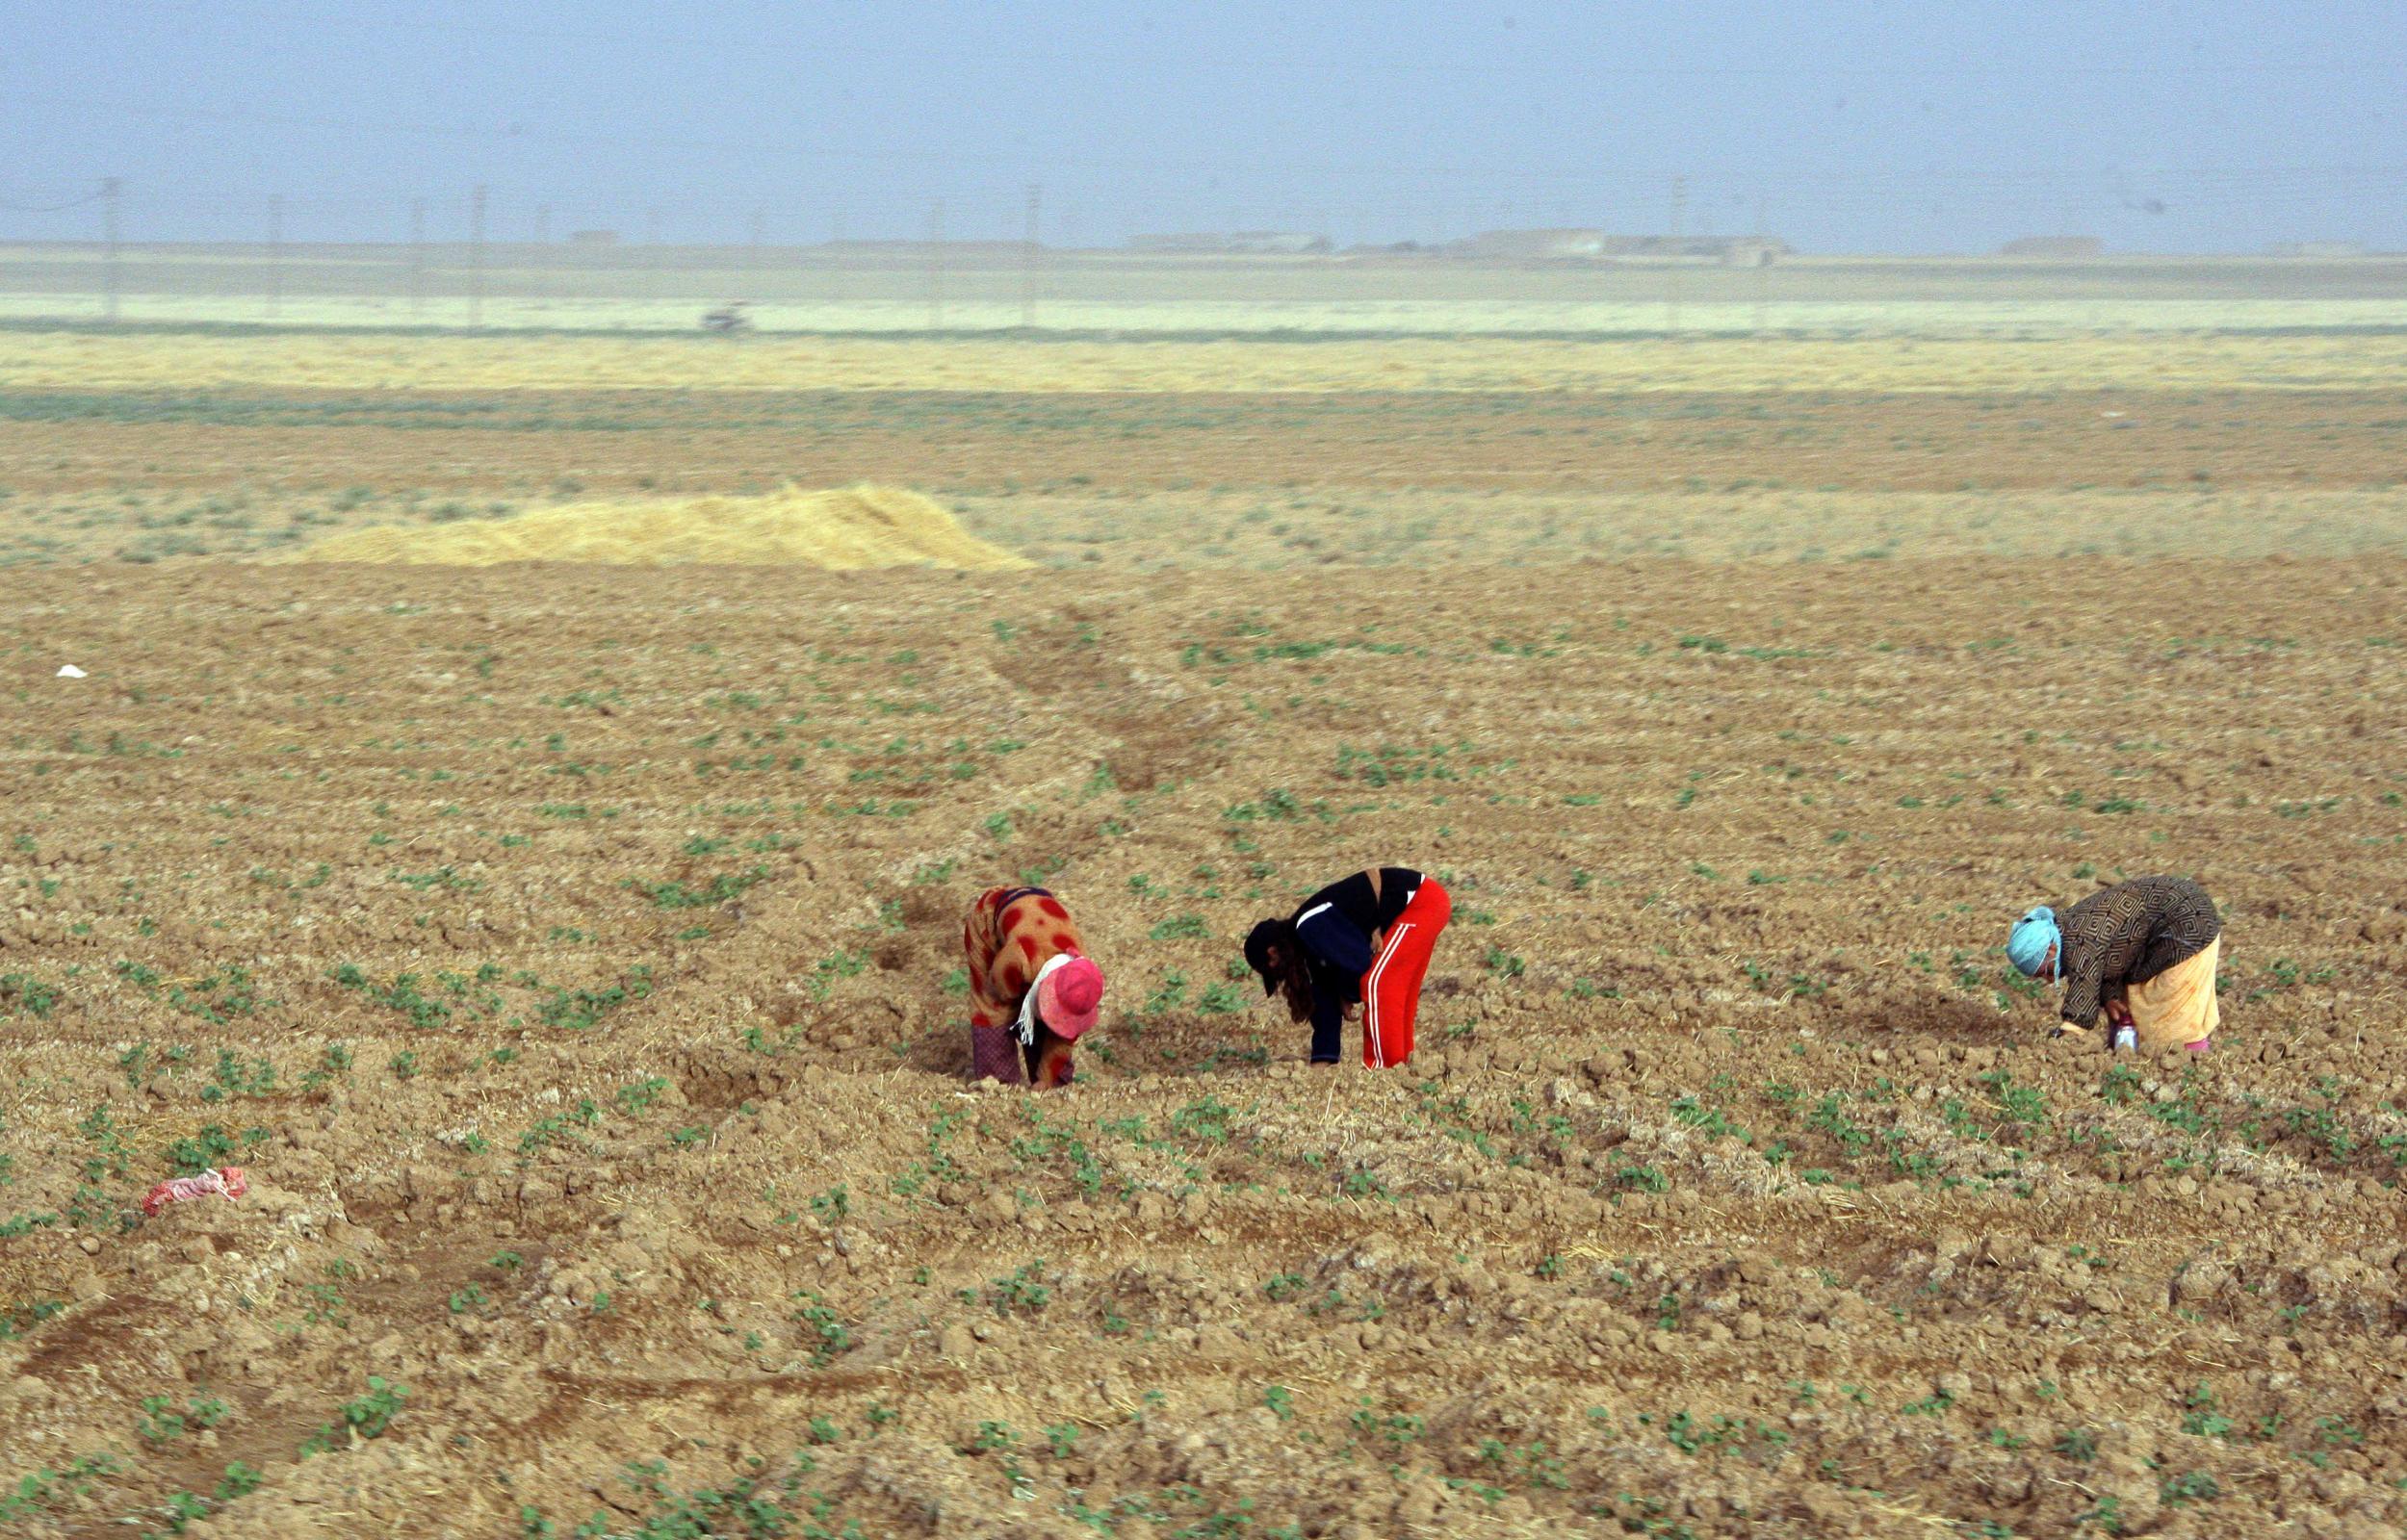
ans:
x=838 y=530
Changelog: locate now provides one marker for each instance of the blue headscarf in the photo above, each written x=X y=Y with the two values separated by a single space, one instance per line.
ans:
x=2034 y=934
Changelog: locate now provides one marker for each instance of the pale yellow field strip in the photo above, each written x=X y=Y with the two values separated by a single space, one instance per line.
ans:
x=1131 y=307
x=1303 y=316
x=85 y=361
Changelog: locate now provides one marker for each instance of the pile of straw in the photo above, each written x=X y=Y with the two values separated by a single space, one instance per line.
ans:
x=838 y=530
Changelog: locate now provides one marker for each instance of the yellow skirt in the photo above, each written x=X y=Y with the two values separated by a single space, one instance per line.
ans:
x=2178 y=1007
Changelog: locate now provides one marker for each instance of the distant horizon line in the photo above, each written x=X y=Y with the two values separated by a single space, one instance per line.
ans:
x=1452 y=249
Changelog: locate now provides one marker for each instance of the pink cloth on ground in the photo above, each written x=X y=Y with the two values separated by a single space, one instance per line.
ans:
x=230 y=1181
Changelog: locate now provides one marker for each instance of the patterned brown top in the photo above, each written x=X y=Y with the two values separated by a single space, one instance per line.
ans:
x=1010 y=934
x=2127 y=934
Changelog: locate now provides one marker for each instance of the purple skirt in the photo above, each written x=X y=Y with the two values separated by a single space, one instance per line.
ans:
x=995 y=1055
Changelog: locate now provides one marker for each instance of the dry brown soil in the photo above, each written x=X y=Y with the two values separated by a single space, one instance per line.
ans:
x=570 y=958
x=568 y=955
x=514 y=442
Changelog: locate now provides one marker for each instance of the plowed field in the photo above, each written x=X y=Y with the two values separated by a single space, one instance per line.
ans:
x=570 y=957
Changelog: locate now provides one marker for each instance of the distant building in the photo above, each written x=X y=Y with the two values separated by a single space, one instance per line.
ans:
x=1664 y=246
x=593 y=238
x=1279 y=242
x=1247 y=243
x=1592 y=245
x=2316 y=249
x=2061 y=247
x=1540 y=244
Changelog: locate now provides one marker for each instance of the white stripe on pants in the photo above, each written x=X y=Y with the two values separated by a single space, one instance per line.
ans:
x=1370 y=995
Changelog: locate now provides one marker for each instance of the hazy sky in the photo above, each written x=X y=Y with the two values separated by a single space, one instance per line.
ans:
x=1928 y=125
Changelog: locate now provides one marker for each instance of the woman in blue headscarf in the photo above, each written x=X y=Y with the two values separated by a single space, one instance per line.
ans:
x=2143 y=952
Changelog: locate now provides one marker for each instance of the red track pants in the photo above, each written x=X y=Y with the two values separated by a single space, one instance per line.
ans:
x=1391 y=991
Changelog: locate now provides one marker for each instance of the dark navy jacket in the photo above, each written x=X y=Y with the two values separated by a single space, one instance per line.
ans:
x=1336 y=925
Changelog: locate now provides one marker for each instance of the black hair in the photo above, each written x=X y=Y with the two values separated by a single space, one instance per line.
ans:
x=1286 y=973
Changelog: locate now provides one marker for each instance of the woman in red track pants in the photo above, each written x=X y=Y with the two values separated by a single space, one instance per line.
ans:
x=1363 y=942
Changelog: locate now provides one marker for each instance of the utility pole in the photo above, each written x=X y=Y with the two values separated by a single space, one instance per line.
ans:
x=417 y=256
x=543 y=224
x=1672 y=281
x=275 y=257
x=935 y=267
x=1029 y=258
x=651 y=254
x=109 y=190
x=1763 y=265
x=476 y=256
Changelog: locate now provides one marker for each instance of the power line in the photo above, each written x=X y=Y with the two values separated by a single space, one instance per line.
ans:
x=2130 y=204
x=1267 y=62
x=106 y=189
x=1488 y=175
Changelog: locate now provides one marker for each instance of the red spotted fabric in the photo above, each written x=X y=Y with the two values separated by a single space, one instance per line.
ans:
x=1011 y=933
